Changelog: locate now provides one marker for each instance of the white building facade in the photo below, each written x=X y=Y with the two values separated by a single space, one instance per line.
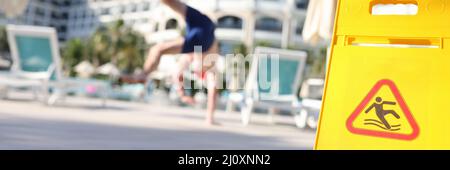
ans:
x=248 y=22
x=51 y=13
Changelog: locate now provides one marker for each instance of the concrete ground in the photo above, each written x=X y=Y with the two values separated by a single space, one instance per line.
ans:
x=80 y=123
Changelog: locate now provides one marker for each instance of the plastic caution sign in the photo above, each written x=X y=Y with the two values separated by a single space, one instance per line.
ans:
x=388 y=77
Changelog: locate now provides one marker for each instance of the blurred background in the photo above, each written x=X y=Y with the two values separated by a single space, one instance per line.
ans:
x=99 y=40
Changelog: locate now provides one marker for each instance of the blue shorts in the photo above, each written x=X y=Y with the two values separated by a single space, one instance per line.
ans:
x=199 y=31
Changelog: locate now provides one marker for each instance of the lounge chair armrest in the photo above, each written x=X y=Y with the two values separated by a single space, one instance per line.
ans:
x=51 y=69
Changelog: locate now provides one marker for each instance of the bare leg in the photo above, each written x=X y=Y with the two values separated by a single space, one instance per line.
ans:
x=386 y=112
x=212 y=98
x=153 y=58
x=183 y=64
x=155 y=53
x=384 y=121
x=211 y=82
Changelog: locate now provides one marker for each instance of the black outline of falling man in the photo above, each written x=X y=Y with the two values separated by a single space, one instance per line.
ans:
x=381 y=113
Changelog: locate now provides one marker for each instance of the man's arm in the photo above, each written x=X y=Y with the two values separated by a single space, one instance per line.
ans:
x=178 y=80
x=212 y=97
x=183 y=97
x=370 y=108
x=389 y=103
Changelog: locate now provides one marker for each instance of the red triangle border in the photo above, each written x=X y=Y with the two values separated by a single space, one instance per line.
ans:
x=402 y=104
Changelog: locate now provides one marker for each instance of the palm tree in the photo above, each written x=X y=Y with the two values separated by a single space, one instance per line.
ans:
x=127 y=47
x=72 y=54
x=115 y=33
x=131 y=53
x=99 y=44
x=115 y=43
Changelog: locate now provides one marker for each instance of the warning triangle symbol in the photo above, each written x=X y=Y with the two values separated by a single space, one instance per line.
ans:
x=383 y=113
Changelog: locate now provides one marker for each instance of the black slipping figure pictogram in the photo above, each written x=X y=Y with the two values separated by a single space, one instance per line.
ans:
x=381 y=114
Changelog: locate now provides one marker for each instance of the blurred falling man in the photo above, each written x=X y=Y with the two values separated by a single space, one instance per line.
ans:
x=199 y=36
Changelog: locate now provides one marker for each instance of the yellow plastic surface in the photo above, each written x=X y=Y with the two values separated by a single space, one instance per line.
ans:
x=404 y=59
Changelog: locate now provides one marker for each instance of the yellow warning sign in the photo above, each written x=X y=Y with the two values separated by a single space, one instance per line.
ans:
x=388 y=78
x=383 y=113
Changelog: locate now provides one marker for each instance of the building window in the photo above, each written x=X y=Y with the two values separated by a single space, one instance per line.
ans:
x=37 y=23
x=230 y=22
x=144 y=20
x=62 y=29
x=156 y=28
x=299 y=28
x=269 y=24
x=132 y=8
x=301 y=4
x=122 y=9
x=231 y=47
x=105 y=11
x=40 y=12
x=171 y=24
x=146 y=6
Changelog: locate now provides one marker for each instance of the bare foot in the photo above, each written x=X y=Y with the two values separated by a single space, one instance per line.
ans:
x=188 y=100
x=212 y=123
